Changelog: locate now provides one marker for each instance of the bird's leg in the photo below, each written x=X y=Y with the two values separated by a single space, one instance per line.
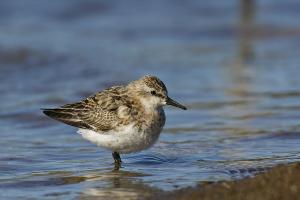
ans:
x=117 y=159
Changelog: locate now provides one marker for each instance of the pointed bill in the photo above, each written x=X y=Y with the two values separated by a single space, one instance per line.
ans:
x=175 y=103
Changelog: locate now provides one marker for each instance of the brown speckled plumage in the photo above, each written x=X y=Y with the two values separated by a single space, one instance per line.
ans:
x=155 y=83
x=121 y=118
x=101 y=112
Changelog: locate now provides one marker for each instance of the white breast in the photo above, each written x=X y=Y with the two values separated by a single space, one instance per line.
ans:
x=127 y=139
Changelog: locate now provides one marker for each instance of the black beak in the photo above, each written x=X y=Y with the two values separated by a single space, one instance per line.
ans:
x=175 y=103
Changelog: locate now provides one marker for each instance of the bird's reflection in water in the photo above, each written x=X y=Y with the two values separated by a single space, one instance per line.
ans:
x=115 y=184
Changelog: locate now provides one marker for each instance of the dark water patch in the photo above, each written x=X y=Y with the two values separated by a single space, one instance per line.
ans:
x=285 y=94
x=52 y=173
x=256 y=115
x=8 y=168
x=149 y=159
x=57 y=194
x=284 y=107
x=43 y=183
x=26 y=58
x=270 y=94
x=217 y=105
x=282 y=135
x=220 y=128
x=80 y=10
x=268 y=31
x=254 y=161
x=235 y=169
x=18 y=56
x=19 y=159
x=246 y=172
x=53 y=101
x=27 y=119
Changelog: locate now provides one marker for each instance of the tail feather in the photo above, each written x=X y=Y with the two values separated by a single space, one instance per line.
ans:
x=67 y=116
x=58 y=113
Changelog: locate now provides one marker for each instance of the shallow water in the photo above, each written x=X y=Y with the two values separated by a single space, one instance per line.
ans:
x=244 y=108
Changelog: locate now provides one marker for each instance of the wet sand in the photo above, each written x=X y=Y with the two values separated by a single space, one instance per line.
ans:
x=281 y=182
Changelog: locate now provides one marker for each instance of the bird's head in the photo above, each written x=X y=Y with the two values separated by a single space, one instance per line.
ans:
x=153 y=92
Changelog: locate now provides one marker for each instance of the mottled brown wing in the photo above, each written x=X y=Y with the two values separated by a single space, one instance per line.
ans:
x=98 y=112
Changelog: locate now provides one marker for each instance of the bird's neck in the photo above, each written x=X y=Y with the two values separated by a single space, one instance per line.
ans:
x=149 y=107
x=149 y=115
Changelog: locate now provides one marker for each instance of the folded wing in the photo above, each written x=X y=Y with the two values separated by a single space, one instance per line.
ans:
x=98 y=112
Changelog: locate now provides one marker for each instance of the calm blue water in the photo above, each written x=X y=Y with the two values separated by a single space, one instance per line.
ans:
x=243 y=92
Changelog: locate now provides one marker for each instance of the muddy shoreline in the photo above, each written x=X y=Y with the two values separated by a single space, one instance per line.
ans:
x=280 y=182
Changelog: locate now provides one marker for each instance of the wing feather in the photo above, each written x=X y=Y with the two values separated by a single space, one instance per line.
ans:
x=98 y=112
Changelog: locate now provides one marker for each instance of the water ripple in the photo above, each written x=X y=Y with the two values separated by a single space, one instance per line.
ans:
x=150 y=159
x=243 y=117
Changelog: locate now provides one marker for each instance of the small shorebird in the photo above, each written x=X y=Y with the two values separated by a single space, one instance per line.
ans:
x=123 y=119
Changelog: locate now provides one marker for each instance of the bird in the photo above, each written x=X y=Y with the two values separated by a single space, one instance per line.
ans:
x=123 y=119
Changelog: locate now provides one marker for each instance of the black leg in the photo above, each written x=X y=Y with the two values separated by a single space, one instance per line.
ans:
x=117 y=159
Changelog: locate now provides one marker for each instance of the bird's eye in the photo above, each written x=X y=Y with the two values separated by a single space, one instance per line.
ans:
x=153 y=92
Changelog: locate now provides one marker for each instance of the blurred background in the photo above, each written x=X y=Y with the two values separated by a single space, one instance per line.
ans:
x=235 y=64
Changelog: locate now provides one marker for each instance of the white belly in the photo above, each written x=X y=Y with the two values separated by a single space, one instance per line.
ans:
x=127 y=140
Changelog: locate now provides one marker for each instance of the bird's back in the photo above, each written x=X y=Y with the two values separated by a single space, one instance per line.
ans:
x=99 y=112
x=108 y=110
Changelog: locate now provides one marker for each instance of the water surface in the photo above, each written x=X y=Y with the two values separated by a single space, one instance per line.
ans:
x=244 y=108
